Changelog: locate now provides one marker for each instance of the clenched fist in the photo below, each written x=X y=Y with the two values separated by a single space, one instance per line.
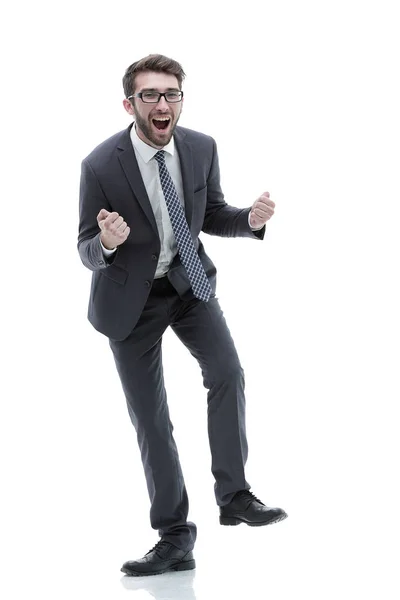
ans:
x=262 y=210
x=114 y=230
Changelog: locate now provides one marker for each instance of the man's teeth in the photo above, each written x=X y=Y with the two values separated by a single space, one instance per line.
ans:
x=161 y=118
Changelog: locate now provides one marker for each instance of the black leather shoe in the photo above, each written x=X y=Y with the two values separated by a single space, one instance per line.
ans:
x=164 y=557
x=246 y=508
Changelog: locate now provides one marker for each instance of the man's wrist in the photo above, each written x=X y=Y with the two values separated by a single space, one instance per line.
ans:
x=107 y=251
x=104 y=245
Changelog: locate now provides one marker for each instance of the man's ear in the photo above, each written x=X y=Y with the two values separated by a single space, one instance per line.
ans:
x=128 y=107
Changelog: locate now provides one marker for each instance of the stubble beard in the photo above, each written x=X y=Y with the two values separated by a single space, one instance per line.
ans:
x=146 y=128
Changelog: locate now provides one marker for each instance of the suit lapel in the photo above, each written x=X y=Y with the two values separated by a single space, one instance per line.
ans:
x=131 y=169
x=186 y=159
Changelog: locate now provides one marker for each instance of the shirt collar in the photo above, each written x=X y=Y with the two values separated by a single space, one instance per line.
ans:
x=145 y=151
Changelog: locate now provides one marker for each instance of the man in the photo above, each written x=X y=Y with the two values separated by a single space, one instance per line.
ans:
x=145 y=195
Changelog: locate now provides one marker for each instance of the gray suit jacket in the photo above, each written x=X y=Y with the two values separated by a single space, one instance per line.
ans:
x=111 y=179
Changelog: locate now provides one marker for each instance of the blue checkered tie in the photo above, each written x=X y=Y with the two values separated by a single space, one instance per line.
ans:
x=187 y=252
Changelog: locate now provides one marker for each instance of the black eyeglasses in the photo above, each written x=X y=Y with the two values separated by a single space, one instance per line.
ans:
x=154 y=97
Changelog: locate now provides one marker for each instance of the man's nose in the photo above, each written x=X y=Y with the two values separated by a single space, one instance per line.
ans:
x=162 y=103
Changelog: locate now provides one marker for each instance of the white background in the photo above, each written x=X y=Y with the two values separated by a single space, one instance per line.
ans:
x=302 y=99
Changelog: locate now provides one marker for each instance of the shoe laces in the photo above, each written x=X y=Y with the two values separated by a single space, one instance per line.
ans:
x=249 y=495
x=161 y=544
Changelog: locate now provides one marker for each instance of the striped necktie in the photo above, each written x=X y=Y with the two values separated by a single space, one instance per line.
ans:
x=187 y=252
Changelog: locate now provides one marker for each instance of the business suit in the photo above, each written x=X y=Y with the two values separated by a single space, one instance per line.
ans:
x=133 y=310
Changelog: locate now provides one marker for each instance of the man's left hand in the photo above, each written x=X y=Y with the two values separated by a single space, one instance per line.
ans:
x=262 y=210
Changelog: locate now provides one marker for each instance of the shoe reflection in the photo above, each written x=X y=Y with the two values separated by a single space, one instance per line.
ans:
x=171 y=586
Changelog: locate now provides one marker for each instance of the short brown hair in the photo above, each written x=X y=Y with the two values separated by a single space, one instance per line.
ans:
x=153 y=62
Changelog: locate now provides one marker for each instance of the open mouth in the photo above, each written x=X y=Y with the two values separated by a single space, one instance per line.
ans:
x=161 y=123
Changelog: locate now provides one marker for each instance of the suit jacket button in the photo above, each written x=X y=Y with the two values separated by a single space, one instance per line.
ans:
x=147 y=283
x=154 y=257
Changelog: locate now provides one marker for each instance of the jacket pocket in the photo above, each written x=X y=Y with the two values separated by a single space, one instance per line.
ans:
x=202 y=190
x=115 y=273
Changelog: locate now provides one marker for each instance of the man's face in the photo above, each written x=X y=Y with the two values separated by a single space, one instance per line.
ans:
x=151 y=131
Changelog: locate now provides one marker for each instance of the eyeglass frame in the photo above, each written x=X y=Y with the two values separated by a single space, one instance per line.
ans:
x=140 y=94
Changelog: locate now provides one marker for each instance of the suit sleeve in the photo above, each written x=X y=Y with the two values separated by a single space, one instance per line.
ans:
x=91 y=200
x=220 y=218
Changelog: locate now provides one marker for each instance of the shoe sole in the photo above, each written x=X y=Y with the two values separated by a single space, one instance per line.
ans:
x=185 y=566
x=237 y=521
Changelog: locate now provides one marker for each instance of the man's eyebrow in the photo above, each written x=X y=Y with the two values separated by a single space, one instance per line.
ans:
x=155 y=90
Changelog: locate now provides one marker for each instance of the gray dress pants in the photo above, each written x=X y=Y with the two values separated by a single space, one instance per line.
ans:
x=201 y=326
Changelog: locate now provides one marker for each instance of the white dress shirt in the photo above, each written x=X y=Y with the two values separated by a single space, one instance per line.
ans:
x=151 y=179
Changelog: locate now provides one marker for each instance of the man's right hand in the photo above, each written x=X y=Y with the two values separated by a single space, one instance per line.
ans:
x=114 y=230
